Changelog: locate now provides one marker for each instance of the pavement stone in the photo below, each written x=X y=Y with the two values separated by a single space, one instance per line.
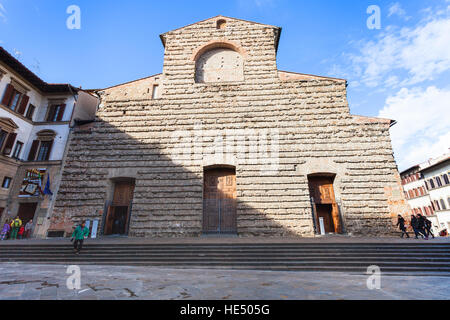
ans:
x=48 y=282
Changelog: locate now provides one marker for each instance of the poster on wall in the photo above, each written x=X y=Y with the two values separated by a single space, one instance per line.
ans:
x=33 y=182
x=94 y=229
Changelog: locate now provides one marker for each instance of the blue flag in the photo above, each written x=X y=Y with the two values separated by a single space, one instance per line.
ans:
x=47 y=187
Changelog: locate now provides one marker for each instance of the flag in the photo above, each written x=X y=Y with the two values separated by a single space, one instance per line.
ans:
x=47 y=187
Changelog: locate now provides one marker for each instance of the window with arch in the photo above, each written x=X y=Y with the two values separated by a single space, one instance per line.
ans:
x=219 y=64
x=221 y=24
x=445 y=177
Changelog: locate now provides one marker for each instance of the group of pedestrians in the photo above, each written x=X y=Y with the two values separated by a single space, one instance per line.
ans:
x=15 y=229
x=420 y=225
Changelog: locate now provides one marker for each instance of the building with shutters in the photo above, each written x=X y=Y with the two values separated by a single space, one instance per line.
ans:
x=222 y=142
x=35 y=121
x=427 y=190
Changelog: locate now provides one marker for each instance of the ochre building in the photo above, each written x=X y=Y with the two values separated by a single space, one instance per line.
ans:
x=222 y=142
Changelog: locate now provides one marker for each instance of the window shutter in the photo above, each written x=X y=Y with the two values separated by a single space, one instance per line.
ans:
x=9 y=143
x=33 y=150
x=61 y=112
x=23 y=104
x=8 y=94
x=47 y=157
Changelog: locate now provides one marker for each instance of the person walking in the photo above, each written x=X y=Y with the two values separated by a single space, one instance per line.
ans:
x=15 y=227
x=428 y=227
x=421 y=225
x=415 y=226
x=78 y=236
x=5 y=230
x=401 y=225
x=28 y=228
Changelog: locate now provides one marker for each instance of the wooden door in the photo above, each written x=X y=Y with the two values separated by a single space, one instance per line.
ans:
x=322 y=191
x=118 y=214
x=123 y=193
x=324 y=211
x=219 y=204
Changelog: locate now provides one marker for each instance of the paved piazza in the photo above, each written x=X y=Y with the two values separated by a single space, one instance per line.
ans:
x=48 y=282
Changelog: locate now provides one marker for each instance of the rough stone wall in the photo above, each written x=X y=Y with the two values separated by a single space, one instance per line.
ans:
x=307 y=116
x=8 y=168
x=139 y=89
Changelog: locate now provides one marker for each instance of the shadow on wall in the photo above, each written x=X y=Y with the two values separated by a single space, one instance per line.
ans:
x=168 y=198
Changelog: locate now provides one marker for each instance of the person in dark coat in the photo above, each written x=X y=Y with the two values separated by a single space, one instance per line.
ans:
x=428 y=227
x=415 y=226
x=401 y=226
x=421 y=225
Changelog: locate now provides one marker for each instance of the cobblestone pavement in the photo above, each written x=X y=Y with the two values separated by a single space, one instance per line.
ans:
x=48 y=282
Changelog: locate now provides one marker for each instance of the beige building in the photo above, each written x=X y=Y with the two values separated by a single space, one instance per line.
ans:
x=223 y=142
x=35 y=121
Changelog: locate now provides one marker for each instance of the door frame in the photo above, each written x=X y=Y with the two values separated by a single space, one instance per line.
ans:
x=335 y=212
x=109 y=204
x=205 y=170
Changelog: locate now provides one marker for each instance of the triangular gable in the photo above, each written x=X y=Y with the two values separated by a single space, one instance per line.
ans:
x=277 y=29
x=7 y=123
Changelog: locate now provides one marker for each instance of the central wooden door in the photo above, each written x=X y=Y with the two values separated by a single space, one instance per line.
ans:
x=324 y=203
x=118 y=215
x=219 y=202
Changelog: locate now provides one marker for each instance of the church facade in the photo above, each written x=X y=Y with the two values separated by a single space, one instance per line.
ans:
x=222 y=142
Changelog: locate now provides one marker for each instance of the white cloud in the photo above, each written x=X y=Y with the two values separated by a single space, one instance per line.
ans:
x=423 y=128
x=2 y=13
x=396 y=10
x=423 y=53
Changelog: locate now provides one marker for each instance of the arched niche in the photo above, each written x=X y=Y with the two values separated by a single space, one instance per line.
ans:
x=219 y=62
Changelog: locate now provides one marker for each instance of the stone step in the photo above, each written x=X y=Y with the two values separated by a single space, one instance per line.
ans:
x=13 y=244
x=261 y=256
x=395 y=269
x=262 y=264
x=241 y=260
x=185 y=247
x=228 y=254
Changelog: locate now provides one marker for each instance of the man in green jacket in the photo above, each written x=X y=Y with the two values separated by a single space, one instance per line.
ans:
x=80 y=233
x=15 y=226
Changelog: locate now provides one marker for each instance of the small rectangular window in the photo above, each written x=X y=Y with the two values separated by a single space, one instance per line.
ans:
x=3 y=135
x=431 y=183
x=155 y=91
x=14 y=100
x=17 y=150
x=443 y=206
x=30 y=112
x=44 y=151
x=6 y=182
x=55 y=113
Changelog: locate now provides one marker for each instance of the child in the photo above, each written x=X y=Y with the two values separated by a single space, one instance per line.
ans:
x=5 y=231
x=21 y=231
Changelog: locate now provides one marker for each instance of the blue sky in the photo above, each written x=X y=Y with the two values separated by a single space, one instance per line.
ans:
x=400 y=71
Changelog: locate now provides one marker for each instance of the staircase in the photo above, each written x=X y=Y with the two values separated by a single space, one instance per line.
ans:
x=334 y=257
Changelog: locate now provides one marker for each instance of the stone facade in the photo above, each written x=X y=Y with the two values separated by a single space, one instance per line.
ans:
x=307 y=118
